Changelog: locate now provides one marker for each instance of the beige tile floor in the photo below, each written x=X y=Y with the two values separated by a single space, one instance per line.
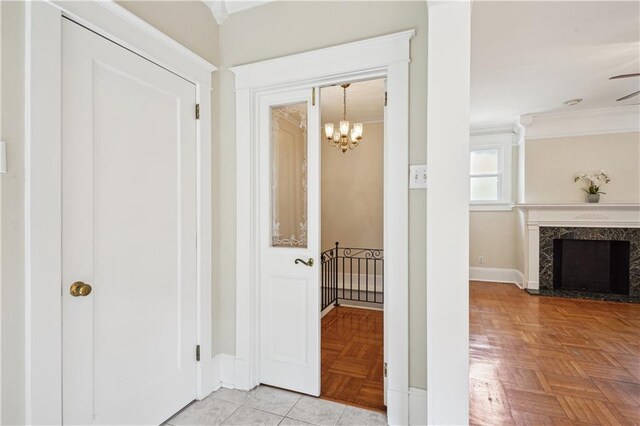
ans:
x=271 y=406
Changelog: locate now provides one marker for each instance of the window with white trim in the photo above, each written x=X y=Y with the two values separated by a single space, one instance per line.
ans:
x=490 y=172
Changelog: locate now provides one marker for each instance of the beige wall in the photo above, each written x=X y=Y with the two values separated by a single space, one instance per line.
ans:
x=551 y=164
x=352 y=192
x=493 y=235
x=190 y=23
x=263 y=33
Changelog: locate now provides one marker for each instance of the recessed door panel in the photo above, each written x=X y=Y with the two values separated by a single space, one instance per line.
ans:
x=287 y=327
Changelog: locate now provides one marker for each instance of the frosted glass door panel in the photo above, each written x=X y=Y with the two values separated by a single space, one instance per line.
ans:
x=289 y=175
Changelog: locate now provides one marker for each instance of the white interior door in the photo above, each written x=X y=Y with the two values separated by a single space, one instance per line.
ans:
x=129 y=231
x=290 y=241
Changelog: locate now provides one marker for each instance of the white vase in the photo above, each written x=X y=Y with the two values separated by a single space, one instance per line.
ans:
x=593 y=198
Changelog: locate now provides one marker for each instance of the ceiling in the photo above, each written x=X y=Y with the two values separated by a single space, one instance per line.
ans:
x=530 y=57
x=221 y=9
x=365 y=102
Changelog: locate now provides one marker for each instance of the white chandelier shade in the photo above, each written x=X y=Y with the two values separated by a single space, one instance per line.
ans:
x=344 y=137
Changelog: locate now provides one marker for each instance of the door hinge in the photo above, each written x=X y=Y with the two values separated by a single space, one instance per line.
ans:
x=385 y=369
x=385 y=98
x=197 y=352
x=313 y=96
x=197 y=111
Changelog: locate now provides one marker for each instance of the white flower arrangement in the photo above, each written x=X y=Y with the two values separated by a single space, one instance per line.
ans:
x=595 y=181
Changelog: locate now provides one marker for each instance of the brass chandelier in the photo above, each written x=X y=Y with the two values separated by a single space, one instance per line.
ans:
x=345 y=137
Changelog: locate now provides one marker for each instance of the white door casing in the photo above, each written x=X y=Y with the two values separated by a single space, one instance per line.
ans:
x=129 y=230
x=289 y=230
x=381 y=57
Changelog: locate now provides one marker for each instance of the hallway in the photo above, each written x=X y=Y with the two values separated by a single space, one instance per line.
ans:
x=352 y=357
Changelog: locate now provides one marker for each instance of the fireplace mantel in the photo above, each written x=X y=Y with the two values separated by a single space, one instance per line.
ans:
x=596 y=215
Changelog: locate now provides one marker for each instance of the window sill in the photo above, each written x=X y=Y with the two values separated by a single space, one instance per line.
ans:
x=490 y=207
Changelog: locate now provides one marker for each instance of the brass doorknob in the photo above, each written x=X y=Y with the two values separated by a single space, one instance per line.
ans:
x=308 y=262
x=80 y=289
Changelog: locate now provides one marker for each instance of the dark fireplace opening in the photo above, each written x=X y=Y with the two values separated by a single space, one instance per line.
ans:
x=598 y=266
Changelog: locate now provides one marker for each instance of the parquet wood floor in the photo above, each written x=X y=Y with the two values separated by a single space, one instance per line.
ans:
x=352 y=357
x=547 y=360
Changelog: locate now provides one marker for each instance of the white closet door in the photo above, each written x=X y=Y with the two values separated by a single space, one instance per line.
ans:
x=289 y=238
x=129 y=231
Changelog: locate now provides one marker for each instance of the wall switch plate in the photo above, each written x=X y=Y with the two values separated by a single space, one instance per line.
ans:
x=418 y=176
x=3 y=157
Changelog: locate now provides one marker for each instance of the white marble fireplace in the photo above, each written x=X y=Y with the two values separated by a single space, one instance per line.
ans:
x=575 y=215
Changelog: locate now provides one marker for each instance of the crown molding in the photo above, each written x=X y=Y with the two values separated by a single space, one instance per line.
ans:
x=221 y=9
x=596 y=121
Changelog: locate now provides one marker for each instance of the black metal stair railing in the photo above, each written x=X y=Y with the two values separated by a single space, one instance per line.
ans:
x=352 y=274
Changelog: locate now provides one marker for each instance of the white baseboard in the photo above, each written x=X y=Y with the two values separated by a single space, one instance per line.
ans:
x=355 y=304
x=496 y=275
x=216 y=373
x=227 y=371
x=353 y=284
x=397 y=407
x=211 y=376
x=417 y=407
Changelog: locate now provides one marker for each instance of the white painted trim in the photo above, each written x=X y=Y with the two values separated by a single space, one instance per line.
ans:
x=597 y=121
x=43 y=236
x=221 y=9
x=354 y=304
x=503 y=142
x=447 y=258
x=417 y=407
x=496 y=275
x=580 y=206
x=371 y=54
x=491 y=207
x=618 y=215
x=380 y=57
x=327 y=310
x=107 y=18
x=43 y=215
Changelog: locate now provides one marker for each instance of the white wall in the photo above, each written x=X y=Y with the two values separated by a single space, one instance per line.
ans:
x=262 y=33
x=447 y=216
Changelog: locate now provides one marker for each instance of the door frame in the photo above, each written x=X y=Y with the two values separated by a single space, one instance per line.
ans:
x=43 y=194
x=380 y=57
